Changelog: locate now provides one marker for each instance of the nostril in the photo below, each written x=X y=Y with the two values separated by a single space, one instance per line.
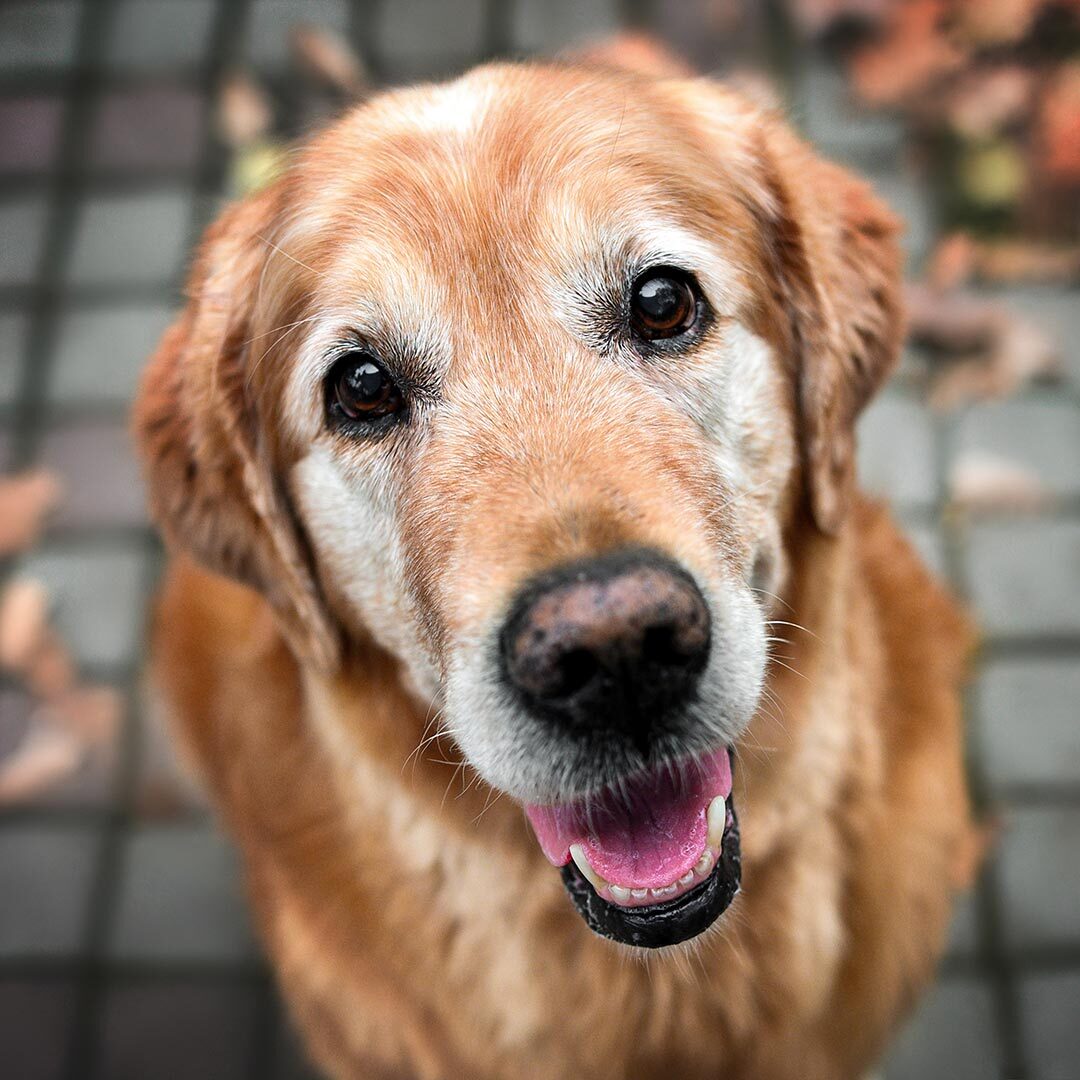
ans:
x=660 y=645
x=577 y=668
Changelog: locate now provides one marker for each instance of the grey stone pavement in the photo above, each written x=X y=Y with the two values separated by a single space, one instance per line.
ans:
x=125 y=950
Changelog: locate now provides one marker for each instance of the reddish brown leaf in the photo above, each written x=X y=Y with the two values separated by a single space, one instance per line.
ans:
x=914 y=50
x=984 y=482
x=329 y=58
x=25 y=502
x=24 y=608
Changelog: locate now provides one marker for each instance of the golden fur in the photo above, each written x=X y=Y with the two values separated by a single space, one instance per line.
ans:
x=414 y=924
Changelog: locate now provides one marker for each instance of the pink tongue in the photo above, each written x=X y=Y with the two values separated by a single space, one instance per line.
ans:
x=644 y=836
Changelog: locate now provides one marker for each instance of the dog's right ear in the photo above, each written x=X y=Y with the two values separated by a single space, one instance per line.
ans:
x=210 y=486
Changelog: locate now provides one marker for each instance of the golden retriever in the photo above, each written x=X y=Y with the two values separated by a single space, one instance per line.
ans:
x=505 y=451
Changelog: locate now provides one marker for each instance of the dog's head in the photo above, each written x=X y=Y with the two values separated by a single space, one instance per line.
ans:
x=524 y=378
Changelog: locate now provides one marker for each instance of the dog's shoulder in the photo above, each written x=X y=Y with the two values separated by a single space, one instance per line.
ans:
x=926 y=631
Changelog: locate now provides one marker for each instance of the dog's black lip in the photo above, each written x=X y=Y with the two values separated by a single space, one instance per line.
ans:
x=669 y=922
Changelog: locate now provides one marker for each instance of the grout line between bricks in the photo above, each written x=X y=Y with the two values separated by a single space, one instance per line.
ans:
x=992 y=957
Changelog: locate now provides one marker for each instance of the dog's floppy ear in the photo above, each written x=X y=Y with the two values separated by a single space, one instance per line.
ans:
x=211 y=488
x=837 y=265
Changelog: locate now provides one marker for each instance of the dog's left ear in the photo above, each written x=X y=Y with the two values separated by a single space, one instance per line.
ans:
x=833 y=263
x=837 y=265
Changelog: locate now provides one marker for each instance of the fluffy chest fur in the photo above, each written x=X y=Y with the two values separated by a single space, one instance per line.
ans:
x=417 y=932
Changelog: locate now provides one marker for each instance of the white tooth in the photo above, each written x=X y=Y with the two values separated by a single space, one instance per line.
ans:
x=667 y=890
x=639 y=894
x=687 y=878
x=716 y=817
x=619 y=893
x=594 y=879
x=704 y=864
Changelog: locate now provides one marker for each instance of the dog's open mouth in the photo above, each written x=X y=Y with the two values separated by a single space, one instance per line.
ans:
x=654 y=860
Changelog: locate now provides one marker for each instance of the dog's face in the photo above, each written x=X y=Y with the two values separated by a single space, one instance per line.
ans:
x=525 y=378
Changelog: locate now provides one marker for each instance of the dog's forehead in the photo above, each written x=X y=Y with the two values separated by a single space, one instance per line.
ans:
x=459 y=218
x=507 y=162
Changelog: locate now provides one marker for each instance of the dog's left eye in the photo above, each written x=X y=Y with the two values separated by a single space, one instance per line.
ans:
x=664 y=303
x=359 y=388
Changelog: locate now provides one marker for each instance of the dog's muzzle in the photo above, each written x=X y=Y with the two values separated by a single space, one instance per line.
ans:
x=609 y=651
x=608 y=646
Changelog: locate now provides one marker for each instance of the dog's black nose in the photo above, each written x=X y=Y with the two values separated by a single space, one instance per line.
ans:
x=608 y=643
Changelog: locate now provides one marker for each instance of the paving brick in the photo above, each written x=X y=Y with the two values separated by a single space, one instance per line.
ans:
x=906 y=196
x=1043 y=436
x=177 y=1030
x=130 y=238
x=951 y=1036
x=825 y=111
x=29 y=133
x=99 y=591
x=548 y=25
x=1040 y=876
x=102 y=480
x=181 y=898
x=35 y=1021
x=429 y=38
x=158 y=35
x=963 y=940
x=22 y=238
x=1050 y=1009
x=164 y=788
x=150 y=127
x=929 y=543
x=101 y=351
x=47 y=875
x=13 y=327
x=1028 y=721
x=37 y=34
x=896 y=451
x=269 y=22
x=1025 y=576
x=291 y=1060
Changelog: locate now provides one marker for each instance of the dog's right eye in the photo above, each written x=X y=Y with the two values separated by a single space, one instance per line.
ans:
x=359 y=388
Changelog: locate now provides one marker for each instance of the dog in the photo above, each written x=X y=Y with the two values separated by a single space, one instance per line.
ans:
x=574 y=713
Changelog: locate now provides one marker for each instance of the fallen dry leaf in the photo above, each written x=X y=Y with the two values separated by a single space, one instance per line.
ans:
x=1058 y=127
x=24 y=608
x=244 y=113
x=952 y=262
x=329 y=58
x=994 y=23
x=51 y=672
x=25 y=502
x=1018 y=261
x=983 y=482
x=984 y=350
x=950 y=320
x=912 y=52
x=42 y=759
x=91 y=712
x=983 y=102
x=814 y=17
x=959 y=258
x=992 y=173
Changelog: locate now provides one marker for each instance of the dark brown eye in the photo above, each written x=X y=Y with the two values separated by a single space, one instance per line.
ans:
x=663 y=304
x=360 y=389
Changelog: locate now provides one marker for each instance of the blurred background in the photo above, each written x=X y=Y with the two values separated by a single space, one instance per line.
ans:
x=125 y=951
